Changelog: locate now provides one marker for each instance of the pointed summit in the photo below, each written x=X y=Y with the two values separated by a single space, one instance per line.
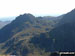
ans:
x=19 y=24
x=24 y=18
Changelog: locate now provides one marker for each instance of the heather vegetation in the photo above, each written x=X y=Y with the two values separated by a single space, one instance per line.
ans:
x=28 y=35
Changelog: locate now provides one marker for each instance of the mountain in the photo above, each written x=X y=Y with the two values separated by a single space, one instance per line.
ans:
x=61 y=38
x=3 y=23
x=13 y=26
x=23 y=22
x=15 y=37
x=68 y=18
x=64 y=34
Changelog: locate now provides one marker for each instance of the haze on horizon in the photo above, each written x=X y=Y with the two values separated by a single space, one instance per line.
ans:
x=35 y=7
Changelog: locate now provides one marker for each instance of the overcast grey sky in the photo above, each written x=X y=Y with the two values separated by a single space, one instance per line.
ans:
x=35 y=7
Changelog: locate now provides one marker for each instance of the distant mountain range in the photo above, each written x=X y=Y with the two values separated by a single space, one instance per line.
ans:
x=5 y=20
x=28 y=35
x=3 y=23
x=10 y=18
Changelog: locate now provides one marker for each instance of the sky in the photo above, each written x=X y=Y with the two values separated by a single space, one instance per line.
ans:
x=35 y=7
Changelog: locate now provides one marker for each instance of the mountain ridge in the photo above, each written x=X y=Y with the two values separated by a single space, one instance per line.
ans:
x=61 y=37
x=30 y=36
